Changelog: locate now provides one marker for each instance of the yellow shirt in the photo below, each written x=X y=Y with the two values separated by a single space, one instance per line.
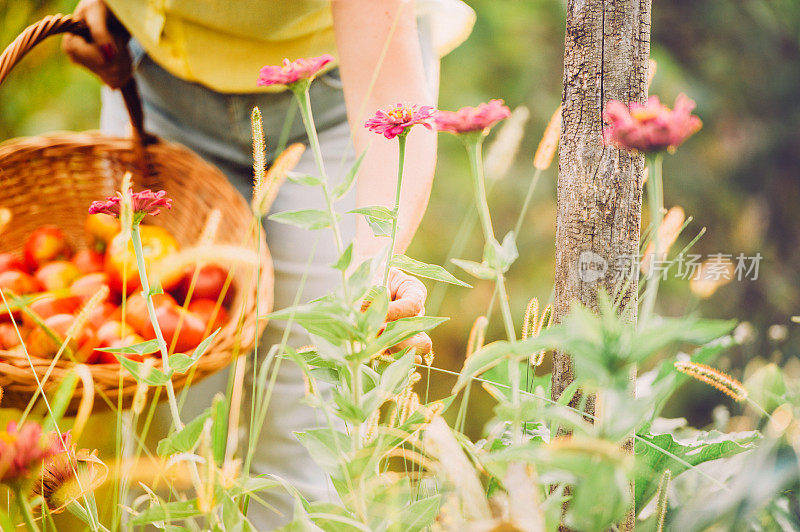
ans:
x=222 y=44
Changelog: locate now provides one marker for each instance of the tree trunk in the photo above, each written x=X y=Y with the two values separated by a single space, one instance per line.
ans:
x=607 y=46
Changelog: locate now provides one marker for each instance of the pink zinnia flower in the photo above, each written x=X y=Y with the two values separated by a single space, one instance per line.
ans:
x=144 y=202
x=652 y=127
x=22 y=451
x=467 y=119
x=399 y=118
x=292 y=71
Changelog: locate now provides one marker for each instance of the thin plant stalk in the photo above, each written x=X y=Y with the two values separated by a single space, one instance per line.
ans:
x=473 y=144
x=151 y=311
x=25 y=510
x=656 y=200
x=396 y=211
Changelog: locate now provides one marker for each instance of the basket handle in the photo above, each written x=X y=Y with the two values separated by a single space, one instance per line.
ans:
x=53 y=25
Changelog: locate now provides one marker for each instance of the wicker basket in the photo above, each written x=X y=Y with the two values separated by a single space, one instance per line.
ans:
x=52 y=179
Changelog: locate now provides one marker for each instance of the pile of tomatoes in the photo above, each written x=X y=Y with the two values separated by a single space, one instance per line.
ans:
x=58 y=282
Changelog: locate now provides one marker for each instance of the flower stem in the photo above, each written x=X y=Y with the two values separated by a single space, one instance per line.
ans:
x=25 y=510
x=473 y=144
x=151 y=311
x=396 y=211
x=656 y=200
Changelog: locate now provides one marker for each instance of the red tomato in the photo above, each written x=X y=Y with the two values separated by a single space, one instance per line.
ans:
x=89 y=261
x=123 y=273
x=208 y=285
x=102 y=313
x=44 y=245
x=187 y=337
x=212 y=316
x=10 y=261
x=101 y=228
x=136 y=311
x=88 y=285
x=8 y=336
x=113 y=330
x=50 y=305
x=40 y=345
x=57 y=275
x=18 y=282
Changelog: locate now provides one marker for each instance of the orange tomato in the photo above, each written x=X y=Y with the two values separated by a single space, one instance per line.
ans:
x=121 y=267
x=177 y=324
x=136 y=311
x=11 y=261
x=57 y=275
x=18 y=282
x=50 y=305
x=39 y=344
x=88 y=285
x=8 y=336
x=100 y=229
x=44 y=245
x=89 y=261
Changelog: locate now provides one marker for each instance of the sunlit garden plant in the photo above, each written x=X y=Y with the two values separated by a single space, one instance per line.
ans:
x=392 y=457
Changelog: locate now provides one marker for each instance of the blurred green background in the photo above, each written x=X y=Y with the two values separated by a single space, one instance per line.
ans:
x=739 y=177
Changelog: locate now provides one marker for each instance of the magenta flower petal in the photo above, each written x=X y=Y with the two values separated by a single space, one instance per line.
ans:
x=22 y=450
x=144 y=202
x=292 y=71
x=652 y=127
x=400 y=118
x=468 y=119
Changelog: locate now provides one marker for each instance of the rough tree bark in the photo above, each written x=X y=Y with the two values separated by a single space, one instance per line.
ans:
x=599 y=187
x=607 y=46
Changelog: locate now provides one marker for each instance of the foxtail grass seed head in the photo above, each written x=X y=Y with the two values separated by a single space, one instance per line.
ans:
x=549 y=143
x=428 y=358
x=713 y=377
x=477 y=335
x=211 y=228
x=531 y=316
x=668 y=233
x=371 y=427
x=502 y=152
x=83 y=316
x=275 y=176
x=259 y=152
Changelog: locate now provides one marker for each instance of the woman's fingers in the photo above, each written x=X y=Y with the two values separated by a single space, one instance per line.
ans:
x=421 y=342
x=407 y=296
x=107 y=54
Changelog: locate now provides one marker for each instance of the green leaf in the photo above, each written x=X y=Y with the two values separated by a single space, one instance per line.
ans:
x=378 y=217
x=306 y=218
x=322 y=318
x=343 y=262
x=479 y=270
x=326 y=446
x=492 y=354
x=420 y=514
x=705 y=447
x=341 y=190
x=501 y=256
x=167 y=511
x=150 y=376
x=143 y=348
x=429 y=271
x=305 y=179
x=219 y=428
x=61 y=399
x=397 y=331
x=185 y=439
x=179 y=362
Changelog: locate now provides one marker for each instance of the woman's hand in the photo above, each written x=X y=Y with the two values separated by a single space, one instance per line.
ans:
x=107 y=53
x=407 y=297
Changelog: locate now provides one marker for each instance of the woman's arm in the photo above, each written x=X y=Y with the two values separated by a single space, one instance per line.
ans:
x=375 y=80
